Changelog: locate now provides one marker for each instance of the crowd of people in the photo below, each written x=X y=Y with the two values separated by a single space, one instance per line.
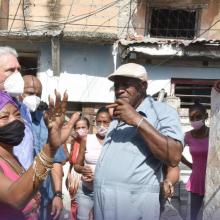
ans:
x=123 y=168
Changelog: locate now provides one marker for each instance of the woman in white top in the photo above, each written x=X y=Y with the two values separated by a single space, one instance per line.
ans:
x=90 y=149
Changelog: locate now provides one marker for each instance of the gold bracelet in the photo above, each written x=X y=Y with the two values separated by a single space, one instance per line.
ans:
x=40 y=170
x=45 y=157
x=44 y=162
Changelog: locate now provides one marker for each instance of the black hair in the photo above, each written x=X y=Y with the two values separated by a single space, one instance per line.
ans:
x=82 y=118
x=198 y=106
x=103 y=109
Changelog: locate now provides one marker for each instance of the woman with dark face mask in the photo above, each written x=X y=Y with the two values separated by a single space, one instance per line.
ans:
x=197 y=139
x=17 y=186
x=89 y=151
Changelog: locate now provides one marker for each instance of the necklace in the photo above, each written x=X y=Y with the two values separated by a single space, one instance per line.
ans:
x=14 y=167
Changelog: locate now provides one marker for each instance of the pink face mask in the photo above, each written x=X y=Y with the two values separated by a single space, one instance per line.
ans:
x=82 y=132
x=197 y=124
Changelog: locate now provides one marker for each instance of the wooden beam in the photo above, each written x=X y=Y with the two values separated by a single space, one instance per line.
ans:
x=55 y=51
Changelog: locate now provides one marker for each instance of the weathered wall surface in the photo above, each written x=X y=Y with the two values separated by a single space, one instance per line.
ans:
x=127 y=19
x=135 y=16
x=67 y=15
x=212 y=195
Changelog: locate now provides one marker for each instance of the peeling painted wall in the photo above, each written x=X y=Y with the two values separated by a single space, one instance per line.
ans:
x=67 y=15
x=138 y=14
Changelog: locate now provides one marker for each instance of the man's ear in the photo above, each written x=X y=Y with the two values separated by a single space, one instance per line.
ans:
x=144 y=86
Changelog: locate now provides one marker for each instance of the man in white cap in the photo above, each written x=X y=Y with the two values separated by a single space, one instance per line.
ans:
x=143 y=136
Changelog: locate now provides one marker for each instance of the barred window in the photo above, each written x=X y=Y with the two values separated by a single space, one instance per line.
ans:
x=173 y=23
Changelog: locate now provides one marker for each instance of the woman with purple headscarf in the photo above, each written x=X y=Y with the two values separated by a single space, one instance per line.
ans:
x=17 y=186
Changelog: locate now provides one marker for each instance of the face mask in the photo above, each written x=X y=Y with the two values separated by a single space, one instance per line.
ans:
x=12 y=133
x=82 y=132
x=101 y=130
x=14 y=84
x=32 y=102
x=197 y=124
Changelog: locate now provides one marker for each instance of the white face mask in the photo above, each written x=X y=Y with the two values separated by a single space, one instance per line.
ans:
x=82 y=132
x=197 y=124
x=32 y=102
x=101 y=130
x=14 y=84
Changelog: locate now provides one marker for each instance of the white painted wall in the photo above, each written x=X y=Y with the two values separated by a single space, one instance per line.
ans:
x=84 y=71
x=160 y=76
x=85 y=67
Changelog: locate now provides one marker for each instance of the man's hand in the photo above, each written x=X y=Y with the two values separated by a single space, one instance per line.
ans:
x=57 y=207
x=123 y=111
x=167 y=188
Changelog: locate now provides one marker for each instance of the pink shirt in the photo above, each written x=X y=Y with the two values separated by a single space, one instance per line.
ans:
x=198 y=148
x=29 y=210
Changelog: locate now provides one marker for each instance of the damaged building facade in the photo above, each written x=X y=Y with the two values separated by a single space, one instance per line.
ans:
x=74 y=45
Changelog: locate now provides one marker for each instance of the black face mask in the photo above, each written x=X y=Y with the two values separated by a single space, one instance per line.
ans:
x=12 y=133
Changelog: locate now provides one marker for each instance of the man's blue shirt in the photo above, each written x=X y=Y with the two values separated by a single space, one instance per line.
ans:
x=40 y=132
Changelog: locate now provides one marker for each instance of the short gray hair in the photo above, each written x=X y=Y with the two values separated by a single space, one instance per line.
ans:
x=8 y=50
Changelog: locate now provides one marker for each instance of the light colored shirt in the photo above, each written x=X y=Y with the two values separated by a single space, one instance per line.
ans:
x=126 y=157
x=25 y=150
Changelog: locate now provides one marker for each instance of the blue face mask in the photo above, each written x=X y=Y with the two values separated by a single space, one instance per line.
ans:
x=12 y=133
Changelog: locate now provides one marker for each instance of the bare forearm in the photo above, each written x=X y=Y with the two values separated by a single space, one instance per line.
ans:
x=19 y=193
x=78 y=168
x=173 y=174
x=164 y=148
x=186 y=162
x=57 y=175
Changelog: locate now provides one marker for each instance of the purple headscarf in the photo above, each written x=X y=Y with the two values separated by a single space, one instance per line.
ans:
x=5 y=99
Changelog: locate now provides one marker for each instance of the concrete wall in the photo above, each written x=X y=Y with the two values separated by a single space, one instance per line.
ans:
x=137 y=16
x=126 y=18
x=84 y=68
x=67 y=15
x=159 y=76
x=85 y=72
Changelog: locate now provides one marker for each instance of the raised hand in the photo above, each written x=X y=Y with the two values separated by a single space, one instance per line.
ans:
x=59 y=131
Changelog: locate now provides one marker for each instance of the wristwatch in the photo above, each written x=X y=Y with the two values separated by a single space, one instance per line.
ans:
x=58 y=194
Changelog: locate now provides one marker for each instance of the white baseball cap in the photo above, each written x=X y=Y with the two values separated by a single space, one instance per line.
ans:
x=132 y=70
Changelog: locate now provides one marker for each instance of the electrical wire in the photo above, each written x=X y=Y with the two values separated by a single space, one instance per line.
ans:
x=68 y=15
x=14 y=18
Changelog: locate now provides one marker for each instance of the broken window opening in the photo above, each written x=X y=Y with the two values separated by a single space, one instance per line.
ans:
x=29 y=63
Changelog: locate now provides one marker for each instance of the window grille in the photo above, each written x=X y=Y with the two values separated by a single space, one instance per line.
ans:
x=173 y=23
